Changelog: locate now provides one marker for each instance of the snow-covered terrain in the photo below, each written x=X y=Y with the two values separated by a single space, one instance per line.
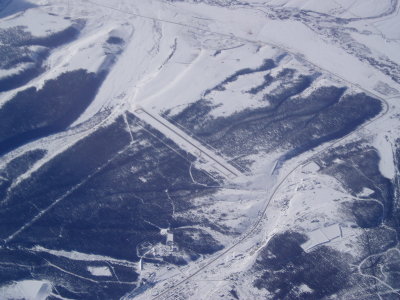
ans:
x=199 y=149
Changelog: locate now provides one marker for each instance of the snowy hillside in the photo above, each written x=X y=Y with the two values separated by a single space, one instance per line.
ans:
x=199 y=149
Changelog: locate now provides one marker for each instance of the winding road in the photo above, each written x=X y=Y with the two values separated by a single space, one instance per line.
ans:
x=257 y=224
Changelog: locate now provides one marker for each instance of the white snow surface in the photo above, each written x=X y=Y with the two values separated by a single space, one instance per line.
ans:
x=27 y=290
x=385 y=149
x=100 y=271
x=173 y=53
x=321 y=236
x=342 y=8
x=43 y=25
x=75 y=255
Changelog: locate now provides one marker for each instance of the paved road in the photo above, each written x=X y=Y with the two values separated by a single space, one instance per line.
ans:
x=283 y=180
x=263 y=212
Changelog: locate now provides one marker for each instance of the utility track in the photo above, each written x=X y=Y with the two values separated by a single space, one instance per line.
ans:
x=262 y=213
